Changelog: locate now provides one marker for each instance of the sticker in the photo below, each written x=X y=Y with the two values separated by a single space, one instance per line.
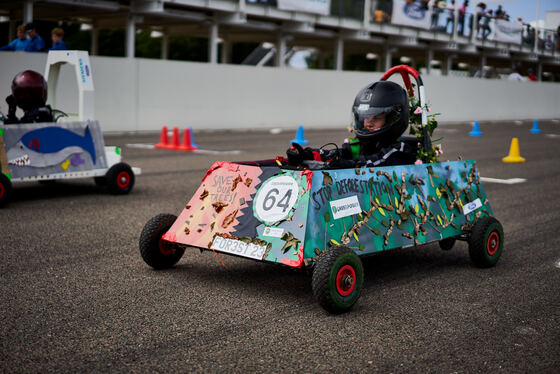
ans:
x=363 y=107
x=275 y=199
x=473 y=205
x=345 y=207
x=273 y=231
x=237 y=247
x=65 y=164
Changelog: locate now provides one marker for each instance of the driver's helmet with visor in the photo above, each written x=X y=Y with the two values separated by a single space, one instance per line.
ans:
x=380 y=113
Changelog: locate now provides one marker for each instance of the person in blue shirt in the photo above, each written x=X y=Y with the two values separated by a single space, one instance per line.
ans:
x=57 y=44
x=18 y=44
x=36 y=43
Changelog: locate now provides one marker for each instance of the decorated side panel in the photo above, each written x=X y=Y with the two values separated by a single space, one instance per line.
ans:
x=48 y=148
x=371 y=210
x=249 y=211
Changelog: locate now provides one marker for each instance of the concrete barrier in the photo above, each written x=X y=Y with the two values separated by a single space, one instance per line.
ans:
x=144 y=94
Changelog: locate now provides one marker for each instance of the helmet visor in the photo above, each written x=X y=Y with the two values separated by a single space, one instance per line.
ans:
x=372 y=119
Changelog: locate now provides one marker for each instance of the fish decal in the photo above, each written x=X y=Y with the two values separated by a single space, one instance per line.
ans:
x=49 y=146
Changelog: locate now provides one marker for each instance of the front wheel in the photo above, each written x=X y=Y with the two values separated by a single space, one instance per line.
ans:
x=486 y=242
x=120 y=179
x=5 y=190
x=338 y=279
x=156 y=252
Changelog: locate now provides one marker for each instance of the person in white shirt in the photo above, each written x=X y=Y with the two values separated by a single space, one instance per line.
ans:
x=515 y=76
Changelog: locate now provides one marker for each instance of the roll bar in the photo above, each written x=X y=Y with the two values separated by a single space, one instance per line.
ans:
x=405 y=71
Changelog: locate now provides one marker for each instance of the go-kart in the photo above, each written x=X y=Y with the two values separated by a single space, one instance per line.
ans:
x=52 y=151
x=326 y=219
x=48 y=149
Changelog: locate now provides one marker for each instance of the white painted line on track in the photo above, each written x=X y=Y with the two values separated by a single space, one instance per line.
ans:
x=210 y=152
x=203 y=151
x=557 y=264
x=503 y=181
x=552 y=136
x=141 y=146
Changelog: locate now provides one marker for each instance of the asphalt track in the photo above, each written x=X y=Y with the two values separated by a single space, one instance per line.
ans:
x=77 y=297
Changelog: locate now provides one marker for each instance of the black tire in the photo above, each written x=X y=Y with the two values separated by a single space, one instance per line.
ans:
x=100 y=181
x=155 y=251
x=447 y=243
x=120 y=179
x=5 y=190
x=486 y=242
x=338 y=279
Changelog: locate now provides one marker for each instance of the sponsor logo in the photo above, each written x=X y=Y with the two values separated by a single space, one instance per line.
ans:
x=274 y=232
x=414 y=11
x=472 y=206
x=82 y=72
x=345 y=207
x=87 y=70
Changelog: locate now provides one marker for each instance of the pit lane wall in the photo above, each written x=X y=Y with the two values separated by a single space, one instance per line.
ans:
x=143 y=95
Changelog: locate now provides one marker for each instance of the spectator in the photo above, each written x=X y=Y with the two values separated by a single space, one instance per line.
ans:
x=57 y=43
x=500 y=14
x=532 y=77
x=479 y=13
x=435 y=14
x=548 y=43
x=450 y=15
x=557 y=37
x=19 y=43
x=462 y=13
x=515 y=76
x=36 y=43
x=485 y=23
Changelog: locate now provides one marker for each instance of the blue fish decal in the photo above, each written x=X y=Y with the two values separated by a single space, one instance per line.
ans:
x=53 y=139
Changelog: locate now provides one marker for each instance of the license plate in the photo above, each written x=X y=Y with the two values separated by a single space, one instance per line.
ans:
x=239 y=248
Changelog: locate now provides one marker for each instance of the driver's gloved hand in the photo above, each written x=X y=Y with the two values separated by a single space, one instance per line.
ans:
x=296 y=155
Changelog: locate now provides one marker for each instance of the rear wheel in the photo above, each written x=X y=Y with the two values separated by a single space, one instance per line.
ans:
x=338 y=279
x=486 y=242
x=156 y=252
x=119 y=179
x=5 y=190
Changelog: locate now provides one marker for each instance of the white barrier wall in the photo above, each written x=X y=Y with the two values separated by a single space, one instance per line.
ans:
x=143 y=94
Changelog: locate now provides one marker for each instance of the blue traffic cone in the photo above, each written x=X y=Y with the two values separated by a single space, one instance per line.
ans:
x=192 y=138
x=535 y=129
x=300 y=138
x=475 y=131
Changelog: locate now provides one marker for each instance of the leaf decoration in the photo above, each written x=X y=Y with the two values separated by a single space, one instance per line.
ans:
x=374 y=230
x=327 y=179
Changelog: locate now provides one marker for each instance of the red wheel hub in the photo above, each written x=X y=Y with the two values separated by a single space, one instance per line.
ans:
x=493 y=243
x=165 y=247
x=123 y=179
x=345 y=280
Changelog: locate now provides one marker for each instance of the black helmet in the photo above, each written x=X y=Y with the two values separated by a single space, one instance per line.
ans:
x=380 y=100
x=29 y=90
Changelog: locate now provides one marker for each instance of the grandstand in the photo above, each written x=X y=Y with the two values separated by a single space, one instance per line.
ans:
x=332 y=28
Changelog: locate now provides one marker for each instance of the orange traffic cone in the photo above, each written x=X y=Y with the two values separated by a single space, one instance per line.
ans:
x=514 y=155
x=175 y=139
x=187 y=145
x=163 y=139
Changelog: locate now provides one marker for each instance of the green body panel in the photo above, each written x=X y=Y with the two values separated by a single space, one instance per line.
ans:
x=400 y=206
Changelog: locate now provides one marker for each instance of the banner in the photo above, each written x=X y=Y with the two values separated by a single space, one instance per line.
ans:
x=410 y=14
x=505 y=31
x=312 y=6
